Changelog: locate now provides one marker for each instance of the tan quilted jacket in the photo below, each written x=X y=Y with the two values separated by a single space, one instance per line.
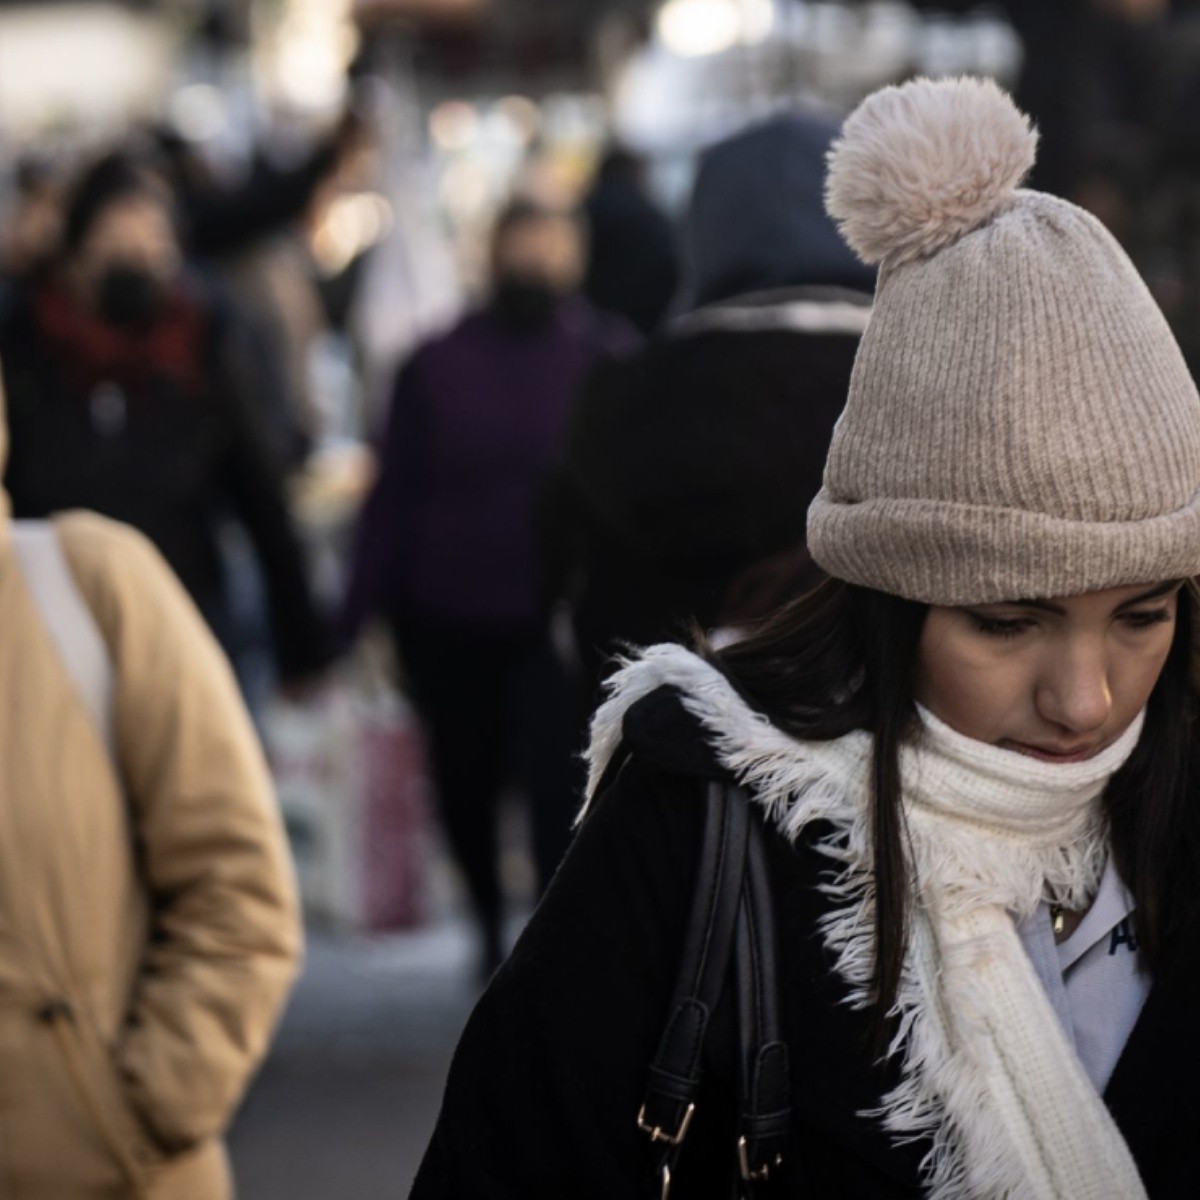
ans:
x=148 y=918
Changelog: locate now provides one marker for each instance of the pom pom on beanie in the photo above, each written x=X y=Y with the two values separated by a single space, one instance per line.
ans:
x=919 y=166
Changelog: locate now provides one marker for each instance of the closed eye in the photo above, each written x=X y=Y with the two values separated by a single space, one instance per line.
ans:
x=1002 y=627
x=1146 y=618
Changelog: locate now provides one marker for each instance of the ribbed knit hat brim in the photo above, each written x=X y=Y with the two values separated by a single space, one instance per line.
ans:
x=962 y=554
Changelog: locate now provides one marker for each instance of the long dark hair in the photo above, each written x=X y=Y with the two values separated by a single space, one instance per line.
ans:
x=844 y=657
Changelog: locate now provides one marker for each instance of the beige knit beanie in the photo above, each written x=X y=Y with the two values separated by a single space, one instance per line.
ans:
x=1021 y=423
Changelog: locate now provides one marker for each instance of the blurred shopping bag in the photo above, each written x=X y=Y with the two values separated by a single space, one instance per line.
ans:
x=349 y=767
x=395 y=810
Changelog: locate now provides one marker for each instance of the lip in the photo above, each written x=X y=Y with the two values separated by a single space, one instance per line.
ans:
x=1054 y=754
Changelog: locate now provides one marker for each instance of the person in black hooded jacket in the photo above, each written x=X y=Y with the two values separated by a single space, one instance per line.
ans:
x=689 y=467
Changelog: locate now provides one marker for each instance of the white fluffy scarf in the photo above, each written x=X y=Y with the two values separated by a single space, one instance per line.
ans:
x=986 y=1070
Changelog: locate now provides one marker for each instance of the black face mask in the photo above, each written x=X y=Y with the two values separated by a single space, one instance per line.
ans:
x=524 y=306
x=129 y=297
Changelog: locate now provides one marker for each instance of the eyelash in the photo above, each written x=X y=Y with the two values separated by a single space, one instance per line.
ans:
x=999 y=627
x=1144 y=620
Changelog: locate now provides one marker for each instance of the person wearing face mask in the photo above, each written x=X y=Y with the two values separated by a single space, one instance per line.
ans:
x=446 y=549
x=130 y=393
x=964 y=955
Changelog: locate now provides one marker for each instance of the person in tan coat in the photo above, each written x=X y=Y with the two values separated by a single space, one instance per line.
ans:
x=148 y=917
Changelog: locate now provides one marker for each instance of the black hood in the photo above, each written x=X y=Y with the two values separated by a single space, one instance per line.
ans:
x=757 y=220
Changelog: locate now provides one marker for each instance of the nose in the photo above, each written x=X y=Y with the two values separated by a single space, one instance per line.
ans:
x=1073 y=691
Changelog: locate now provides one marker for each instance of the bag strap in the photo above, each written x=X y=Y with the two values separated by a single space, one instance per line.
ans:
x=765 y=1080
x=732 y=918
x=68 y=620
x=674 y=1076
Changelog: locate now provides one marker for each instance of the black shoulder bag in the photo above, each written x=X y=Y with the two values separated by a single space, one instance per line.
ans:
x=731 y=922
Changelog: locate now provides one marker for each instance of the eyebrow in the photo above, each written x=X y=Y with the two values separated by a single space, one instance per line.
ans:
x=1160 y=590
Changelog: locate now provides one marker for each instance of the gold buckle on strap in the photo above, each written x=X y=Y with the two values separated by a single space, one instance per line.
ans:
x=658 y=1135
x=763 y=1173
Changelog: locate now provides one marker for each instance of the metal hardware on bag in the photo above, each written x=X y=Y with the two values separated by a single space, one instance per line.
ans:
x=762 y=1174
x=657 y=1135
x=666 y=1187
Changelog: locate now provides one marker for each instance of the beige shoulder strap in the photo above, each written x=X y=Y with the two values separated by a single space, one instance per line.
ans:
x=68 y=619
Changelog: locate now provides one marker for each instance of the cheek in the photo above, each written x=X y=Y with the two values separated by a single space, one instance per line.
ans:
x=1136 y=671
x=972 y=687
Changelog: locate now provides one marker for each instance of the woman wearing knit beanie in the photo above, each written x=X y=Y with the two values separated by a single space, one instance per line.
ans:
x=974 y=751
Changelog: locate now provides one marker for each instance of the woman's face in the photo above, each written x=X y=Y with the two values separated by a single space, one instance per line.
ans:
x=135 y=232
x=1055 y=679
x=547 y=248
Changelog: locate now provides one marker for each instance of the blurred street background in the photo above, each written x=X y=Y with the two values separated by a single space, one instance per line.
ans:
x=369 y=254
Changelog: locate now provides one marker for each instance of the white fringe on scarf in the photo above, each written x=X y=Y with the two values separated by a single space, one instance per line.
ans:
x=986 y=1070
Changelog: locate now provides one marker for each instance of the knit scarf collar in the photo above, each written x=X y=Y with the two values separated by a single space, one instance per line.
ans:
x=987 y=1072
x=95 y=352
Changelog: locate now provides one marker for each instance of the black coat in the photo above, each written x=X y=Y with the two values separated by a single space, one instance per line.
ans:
x=689 y=469
x=549 y=1076
x=174 y=463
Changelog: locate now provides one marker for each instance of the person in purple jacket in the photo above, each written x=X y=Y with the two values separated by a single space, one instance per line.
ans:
x=447 y=551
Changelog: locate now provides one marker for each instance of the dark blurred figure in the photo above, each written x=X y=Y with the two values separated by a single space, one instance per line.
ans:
x=30 y=226
x=249 y=234
x=632 y=266
x=446 y=549
x=219 y=220
x=1162 y=197
x=689 y=468
x=1087 y=64
x=130 y=392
